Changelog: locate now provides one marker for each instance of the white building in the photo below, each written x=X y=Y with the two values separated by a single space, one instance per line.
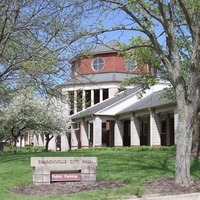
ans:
x=103 y=116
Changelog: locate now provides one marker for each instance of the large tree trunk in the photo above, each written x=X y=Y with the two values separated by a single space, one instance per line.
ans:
x=182 y=172
x=187 y=104
x=184 y=145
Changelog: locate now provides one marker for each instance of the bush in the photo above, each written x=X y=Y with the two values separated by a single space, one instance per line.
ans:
x=136 y=148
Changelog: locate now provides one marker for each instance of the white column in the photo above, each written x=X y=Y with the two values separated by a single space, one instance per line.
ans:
x=97 y=132
x=135 y=131
x=52 y=144
x=155 y=123
x=36 y=140
x=84 y=134
x=64 y=142
x=175 y=124
x=118 y=133
x=74 y=139
x=92 y=97
x=68 y=106
x=75 y=101
x=101 y=95
x=41 y=140
x=28 y=139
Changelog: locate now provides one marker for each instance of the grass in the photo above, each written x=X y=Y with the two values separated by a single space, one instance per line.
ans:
x=131 y=165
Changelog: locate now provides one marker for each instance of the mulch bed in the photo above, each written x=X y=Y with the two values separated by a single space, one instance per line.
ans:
x=165 y=186
x=63 y=188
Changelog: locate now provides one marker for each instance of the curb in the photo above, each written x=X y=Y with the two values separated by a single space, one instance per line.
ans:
x=191 y=196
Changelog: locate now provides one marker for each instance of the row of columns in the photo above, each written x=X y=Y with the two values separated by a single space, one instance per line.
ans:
x=155 y=131
x=84 y=98
x=111 y=93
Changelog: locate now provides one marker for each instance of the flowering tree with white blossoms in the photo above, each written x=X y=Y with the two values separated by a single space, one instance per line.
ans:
x=26 y=113
x=53 y=120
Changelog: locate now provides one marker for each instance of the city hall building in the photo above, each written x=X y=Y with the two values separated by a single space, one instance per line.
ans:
x=104 y=116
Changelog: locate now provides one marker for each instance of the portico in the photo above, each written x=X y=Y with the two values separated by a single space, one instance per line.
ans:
x=150 y=121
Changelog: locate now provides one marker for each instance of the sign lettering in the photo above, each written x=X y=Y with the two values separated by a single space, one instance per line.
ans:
x=68 y=176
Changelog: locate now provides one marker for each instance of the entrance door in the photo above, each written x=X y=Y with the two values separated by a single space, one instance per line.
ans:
x=144 y=133
x=126 y=137
x=110 y=133
x=172 y=142
x=104 y=135
x=91 y=135
x=163 y=132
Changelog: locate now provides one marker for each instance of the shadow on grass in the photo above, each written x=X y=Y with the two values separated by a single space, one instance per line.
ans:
x=195 y=168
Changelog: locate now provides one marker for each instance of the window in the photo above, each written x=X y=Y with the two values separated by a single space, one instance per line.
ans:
x=96 y=96
x=130 y=64
x=79 y=100
x=87 y=98
x=97 y=64
x=105 y=94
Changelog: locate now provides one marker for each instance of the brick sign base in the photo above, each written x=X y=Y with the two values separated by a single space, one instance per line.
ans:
x=50 y=169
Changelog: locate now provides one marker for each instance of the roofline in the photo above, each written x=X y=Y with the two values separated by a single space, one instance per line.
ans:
x=84 y=75
x=147 y=108
x=89 y=110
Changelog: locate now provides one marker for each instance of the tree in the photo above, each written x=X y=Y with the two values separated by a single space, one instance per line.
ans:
x=35 y=38
x=172 y=29
x=25 y=113
x=53 y=120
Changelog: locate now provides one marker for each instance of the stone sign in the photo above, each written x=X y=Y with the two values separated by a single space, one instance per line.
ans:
x=48 y=169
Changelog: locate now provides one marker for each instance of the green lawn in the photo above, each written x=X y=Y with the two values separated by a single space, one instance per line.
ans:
x=131 y=165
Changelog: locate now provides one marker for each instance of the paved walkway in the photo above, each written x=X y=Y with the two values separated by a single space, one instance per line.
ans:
x=192 y=196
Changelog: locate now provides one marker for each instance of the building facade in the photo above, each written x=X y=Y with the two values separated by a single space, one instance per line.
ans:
x=121 y=120
x=102 y=116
